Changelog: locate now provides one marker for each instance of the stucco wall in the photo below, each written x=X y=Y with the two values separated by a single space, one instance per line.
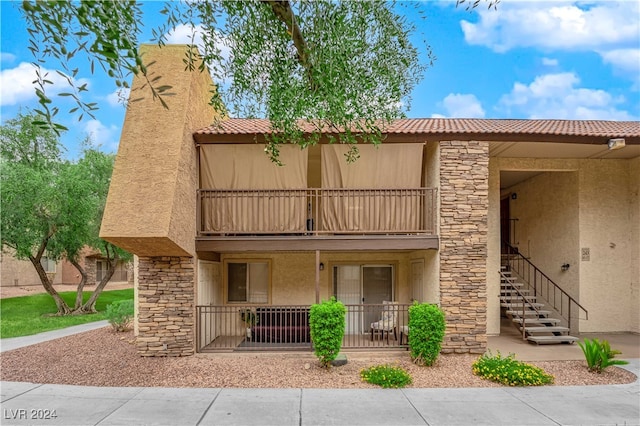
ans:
x=150 y=208
x=17 y=273
x=579 y=204
x=634 y=222
x=606 y=230
x=547 y=210
x=493 y=251
x=293 y=274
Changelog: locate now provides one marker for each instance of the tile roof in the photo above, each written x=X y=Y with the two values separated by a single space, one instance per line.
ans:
x=457 y=126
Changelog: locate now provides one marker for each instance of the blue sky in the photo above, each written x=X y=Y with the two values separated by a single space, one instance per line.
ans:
x=527 y=59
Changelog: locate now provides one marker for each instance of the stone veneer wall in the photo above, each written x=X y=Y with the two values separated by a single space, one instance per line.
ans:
x=464 y=204
x=166 y=310
x=90 y=268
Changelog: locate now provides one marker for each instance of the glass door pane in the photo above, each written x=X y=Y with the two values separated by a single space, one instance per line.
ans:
x=347 y=290
x=377 y=285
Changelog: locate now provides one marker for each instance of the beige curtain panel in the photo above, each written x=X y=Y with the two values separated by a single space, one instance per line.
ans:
x=254 y=194
x=379 y=192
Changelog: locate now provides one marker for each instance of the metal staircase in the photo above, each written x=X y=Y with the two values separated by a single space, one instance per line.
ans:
x=529 y=316
x=537 y=306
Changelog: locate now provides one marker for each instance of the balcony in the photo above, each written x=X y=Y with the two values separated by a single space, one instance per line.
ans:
x=309 y=213
x=234 y=328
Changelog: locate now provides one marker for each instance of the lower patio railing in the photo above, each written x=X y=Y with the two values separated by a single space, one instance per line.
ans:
x=286 y=327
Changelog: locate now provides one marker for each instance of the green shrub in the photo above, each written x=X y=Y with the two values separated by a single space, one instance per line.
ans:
x=510 y=372
x=599 y=355
x=327 y=329
x=386 y=376
x=120 y=314
x=426 y=332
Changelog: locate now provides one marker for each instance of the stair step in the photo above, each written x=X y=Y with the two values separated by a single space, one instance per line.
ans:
x=511 y=284
x=517 y=298
x=537 y=321
x=519 y=305
x=528 y=313
x=514 y=291
x=543 y=329
x=546 y=340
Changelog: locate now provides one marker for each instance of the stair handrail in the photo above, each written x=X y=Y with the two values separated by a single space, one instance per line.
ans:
x=513 y=251
x=525 y=301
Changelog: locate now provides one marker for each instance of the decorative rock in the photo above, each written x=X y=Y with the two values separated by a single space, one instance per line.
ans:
x=341 y=359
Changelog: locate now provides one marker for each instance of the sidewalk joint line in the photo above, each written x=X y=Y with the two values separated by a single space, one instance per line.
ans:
x=414 y=407
x=209 y=407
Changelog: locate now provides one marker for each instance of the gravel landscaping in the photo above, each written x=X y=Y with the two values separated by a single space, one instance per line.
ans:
x=104 y=358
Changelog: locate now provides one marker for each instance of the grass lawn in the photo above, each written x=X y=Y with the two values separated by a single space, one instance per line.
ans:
x=26 y=315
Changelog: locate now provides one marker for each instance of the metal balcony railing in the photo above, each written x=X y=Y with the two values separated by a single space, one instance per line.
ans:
x=316 y=211
x=286 y=327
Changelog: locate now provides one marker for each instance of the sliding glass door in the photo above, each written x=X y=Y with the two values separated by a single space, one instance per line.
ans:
x=362 y=284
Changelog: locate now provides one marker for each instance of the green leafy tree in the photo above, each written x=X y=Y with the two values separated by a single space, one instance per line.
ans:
x=341 y=65
x=52 y=207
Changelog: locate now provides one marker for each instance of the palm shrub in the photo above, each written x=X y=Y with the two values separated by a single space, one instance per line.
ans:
x=326 y=320
x=386 y=376
x=509 y=371
x=120 y=314
x=426 y=332
x=599 y=355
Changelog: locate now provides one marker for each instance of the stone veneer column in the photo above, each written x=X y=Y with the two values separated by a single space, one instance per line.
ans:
x=166 y=297
x=464 y=204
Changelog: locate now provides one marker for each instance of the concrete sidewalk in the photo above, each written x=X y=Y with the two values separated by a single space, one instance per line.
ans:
x=20 y=342
x=26 y=403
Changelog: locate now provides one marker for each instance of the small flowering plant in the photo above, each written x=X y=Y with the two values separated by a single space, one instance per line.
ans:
x=386 y=376
x=508 y=371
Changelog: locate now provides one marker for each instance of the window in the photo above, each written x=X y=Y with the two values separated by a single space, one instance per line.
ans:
x=248 y=282
x=101 y=269
x=49 y=265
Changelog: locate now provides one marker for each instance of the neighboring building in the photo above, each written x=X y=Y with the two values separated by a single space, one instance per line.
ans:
x=20 y=273
x=232 y=249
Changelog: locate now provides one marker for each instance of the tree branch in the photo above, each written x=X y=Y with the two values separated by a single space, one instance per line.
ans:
x=283 y=12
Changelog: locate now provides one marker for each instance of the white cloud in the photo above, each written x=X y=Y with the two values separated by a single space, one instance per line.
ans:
x=564 y=25
x=117 y=97
x=558 y=96
x=16 y=84
x=7 y=57
x=549 y=62
x=183 y=34
x=603 y=27
x=103 y=136
x=624 y=59
x=462 y=106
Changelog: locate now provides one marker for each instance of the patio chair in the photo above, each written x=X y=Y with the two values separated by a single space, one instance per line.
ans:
x=388 y=322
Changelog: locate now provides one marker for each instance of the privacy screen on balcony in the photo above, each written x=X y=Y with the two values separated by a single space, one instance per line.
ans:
x=246 y=174
x=383 y=185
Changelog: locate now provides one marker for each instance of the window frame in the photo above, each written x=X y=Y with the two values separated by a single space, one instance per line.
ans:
x=46 y=262
x=225 y=272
